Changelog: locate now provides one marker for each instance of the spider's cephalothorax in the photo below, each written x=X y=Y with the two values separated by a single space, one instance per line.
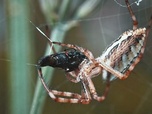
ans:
x=117 y=61
x=67 y=60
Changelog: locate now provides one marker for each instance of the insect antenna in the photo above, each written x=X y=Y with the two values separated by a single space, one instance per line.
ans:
x=48 y=39
x=12 y=61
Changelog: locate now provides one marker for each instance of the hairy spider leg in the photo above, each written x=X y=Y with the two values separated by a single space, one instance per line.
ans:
x=135 y=22
x=74 y=97
x=93 y=90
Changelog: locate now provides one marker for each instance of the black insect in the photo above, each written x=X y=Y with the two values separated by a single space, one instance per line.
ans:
x=68 y=60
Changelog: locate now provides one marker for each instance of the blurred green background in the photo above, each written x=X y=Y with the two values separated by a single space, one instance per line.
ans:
x=21 y=46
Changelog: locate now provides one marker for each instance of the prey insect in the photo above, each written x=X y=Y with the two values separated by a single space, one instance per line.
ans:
x=68 y=60
x=117 y=61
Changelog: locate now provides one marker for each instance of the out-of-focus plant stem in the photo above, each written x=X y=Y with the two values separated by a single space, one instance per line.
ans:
x=20 y=51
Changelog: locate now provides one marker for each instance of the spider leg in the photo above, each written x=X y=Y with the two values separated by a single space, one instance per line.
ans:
x=66 y=94
x=93 y=90
x=135 y=22
x=142 y=50
x=71 y=97
x=113 y=71
x=86 y=97
x=107 y=86
x=72 y=77
x=86 y=52
x=149 y=27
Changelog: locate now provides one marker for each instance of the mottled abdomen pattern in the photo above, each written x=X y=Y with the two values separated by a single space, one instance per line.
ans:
x=125 y=52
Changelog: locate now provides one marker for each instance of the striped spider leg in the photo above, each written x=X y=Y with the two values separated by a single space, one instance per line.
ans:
x=125 y=52
x=117 y=61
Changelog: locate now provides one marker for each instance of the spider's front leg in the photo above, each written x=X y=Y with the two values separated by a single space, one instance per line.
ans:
x=52 y=93
x=66 y=97
x=86 y=52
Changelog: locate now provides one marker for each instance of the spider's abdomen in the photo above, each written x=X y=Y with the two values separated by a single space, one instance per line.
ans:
x=68 y=60
x=125 y=52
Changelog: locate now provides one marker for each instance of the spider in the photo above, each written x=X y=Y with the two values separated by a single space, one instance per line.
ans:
x=117 y=61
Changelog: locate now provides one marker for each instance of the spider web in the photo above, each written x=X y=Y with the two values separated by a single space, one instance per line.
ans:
x=95 y=33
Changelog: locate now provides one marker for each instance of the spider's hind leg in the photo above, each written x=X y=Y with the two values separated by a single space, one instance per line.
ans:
x=135 y=22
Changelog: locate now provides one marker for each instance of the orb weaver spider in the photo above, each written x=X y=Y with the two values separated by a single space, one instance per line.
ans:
x=117 y=61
